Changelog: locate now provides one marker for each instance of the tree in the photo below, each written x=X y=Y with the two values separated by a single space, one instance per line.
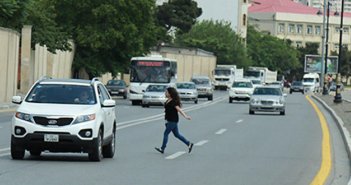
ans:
x=38 y=13
x=216 y=37
x=345 y=62
x=272 y=52
x=107 y=33
x=181 y=14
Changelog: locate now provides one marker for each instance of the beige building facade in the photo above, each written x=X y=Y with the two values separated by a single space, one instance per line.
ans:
x=301 y=28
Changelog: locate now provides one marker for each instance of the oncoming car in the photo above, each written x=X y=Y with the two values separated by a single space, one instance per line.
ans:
x=241 y=90
x=65 y=115
x=154 y=95
x=117 y=87
x=204 y=87
x=187 y=91
x=267 y=99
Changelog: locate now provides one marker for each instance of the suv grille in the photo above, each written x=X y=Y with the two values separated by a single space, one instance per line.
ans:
x=52 y=121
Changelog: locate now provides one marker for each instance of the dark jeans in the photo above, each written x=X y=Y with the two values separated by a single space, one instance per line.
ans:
x=172 y=127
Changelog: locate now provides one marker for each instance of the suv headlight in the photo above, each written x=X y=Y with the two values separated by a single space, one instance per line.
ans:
x=84 y=118
x=24 y=116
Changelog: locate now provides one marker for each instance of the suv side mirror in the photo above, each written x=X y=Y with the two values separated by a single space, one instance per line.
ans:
x=17 y=99
x=109 y=103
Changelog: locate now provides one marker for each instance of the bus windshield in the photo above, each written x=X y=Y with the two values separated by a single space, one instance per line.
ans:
x=150 y=72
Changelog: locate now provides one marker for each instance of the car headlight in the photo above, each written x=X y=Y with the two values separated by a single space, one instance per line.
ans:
x=255 y=101
x=281 y=101
x=24 y=116
x=84 y=118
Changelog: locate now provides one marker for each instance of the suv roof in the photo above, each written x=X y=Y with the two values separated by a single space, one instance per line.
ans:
x=68 y=81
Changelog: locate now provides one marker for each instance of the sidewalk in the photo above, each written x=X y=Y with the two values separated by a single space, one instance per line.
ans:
x=7 y=107
x=341 y=113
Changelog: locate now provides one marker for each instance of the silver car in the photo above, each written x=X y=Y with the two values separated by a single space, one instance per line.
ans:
x=187 y=91
x=267 y=99
x=154 y=95
x=204 y=86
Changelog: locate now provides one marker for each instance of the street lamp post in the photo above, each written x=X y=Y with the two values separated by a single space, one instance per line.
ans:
x=338 y=98
x=325 y=85
x=323 y=40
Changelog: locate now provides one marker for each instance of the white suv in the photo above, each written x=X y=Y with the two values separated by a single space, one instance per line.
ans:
x=65 y=115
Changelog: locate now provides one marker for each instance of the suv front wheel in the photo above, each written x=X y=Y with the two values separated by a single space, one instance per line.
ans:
x=96 y=154
x=16 y=152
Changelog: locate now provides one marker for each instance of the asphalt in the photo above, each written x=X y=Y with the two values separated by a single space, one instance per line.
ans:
x=340 y=112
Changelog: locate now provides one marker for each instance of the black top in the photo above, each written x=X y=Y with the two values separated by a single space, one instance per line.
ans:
x=171 y=113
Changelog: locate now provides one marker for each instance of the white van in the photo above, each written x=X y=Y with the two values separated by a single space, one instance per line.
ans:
x=310 y=82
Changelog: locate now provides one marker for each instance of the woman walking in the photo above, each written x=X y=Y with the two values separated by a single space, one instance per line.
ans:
x=172 y=107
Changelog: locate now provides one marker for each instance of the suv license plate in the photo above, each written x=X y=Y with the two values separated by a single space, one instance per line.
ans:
x=51 y=138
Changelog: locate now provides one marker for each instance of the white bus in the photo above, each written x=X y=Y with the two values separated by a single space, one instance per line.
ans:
x=150 y=70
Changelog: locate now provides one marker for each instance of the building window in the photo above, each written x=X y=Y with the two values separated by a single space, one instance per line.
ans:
x=299 y=28
x=298 y=44
x=346 y=29
x=317 y=30
x=281 y=28
x=309 y=30
x=336 y=46
x=337 y=29
x=291 y=28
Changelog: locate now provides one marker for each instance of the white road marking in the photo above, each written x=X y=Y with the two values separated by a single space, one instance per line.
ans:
x=240 y=120
x=130 y=123
x=175 y=155
x=221 y=131
x=200 y=143
x=4 y=149
x=5 y=154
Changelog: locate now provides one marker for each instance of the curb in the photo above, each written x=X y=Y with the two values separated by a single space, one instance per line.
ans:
x=344 y=132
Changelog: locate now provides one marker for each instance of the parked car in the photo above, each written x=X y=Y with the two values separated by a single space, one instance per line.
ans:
x=187 y=91
x=241 y=90
x=67 y=115
x=296 y=86
x=154 y=95
x=204 y=86
x=117 y=87
x=332 y=87
x=267 y=99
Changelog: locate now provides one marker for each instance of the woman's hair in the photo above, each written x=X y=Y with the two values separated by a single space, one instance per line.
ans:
x=174 y=95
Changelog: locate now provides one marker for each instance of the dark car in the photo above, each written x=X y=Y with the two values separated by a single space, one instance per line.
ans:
x=296 y=86
x=117 y=87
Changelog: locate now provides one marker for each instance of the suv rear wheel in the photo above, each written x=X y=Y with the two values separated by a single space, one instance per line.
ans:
x=108 y=151
x=96 y=154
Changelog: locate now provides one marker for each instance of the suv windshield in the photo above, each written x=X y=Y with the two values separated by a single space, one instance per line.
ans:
x=62 y=94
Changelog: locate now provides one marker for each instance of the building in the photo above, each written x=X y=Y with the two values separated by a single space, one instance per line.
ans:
x=336 y=4
x=299 y=23
x=231 y=11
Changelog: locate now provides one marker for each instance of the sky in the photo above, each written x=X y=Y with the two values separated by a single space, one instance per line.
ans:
x=219 y=10
x=222 y=10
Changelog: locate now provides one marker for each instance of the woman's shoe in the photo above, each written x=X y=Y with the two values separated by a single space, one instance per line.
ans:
x=159 y=150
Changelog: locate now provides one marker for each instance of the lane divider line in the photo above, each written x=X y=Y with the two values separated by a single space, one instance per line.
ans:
x=175 y=155
x=200 y=143
x=5 y=154
x=239 y=121
x=5 y=149
x=219 y=132
x=326 y=162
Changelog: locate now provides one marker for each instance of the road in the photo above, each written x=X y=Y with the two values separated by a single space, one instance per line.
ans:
x=231 y=147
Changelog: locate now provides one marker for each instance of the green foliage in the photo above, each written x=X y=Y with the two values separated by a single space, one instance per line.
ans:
x=107 y=33
x=272 y=52
x=216 y=37
x=345 y=62
x=13 y=13
x=181 y=14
